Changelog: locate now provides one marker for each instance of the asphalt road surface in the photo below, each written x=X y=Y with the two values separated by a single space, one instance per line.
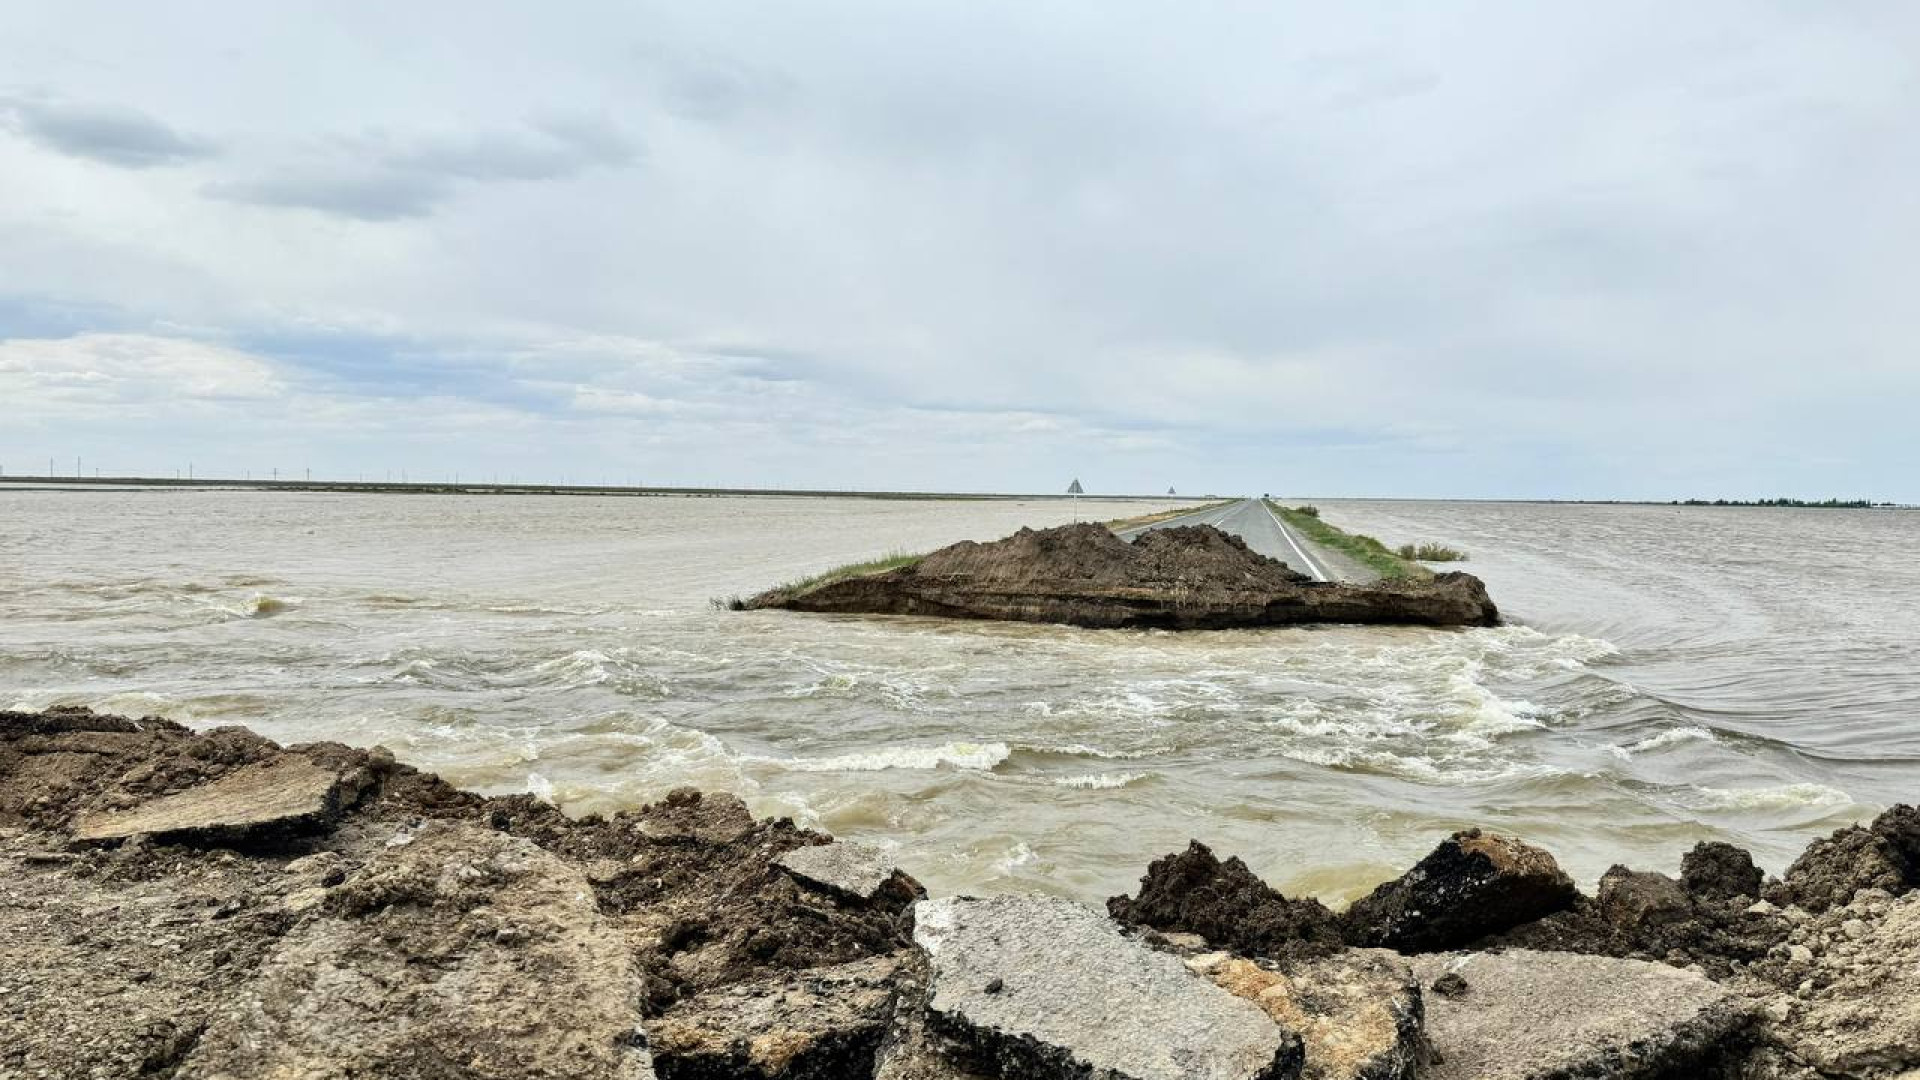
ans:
x=1252 y=521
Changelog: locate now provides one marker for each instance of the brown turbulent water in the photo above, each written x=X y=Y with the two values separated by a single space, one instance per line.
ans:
x=1671 y=674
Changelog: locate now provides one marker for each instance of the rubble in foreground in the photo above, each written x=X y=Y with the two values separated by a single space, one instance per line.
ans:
x=367 y=919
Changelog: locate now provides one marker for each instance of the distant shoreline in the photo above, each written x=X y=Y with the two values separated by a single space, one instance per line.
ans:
x=424 y=487
x=389 y=487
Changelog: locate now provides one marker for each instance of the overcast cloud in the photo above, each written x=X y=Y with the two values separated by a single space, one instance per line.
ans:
x=1508 y=249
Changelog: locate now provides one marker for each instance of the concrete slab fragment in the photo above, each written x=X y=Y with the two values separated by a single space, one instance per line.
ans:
x=1042 y=987
x=844 y=866
x=812 y=1023
x=287 y=790
x=1525 y=1015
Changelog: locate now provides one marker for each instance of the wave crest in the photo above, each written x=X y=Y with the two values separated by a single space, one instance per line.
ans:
x=980 y=757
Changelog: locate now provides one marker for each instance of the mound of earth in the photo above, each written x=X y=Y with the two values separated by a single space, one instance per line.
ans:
x=1192 y=577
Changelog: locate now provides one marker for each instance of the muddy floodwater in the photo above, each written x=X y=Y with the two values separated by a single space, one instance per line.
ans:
x=1671 y=674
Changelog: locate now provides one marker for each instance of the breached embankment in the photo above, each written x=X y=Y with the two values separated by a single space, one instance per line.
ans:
x=201 y=905
x=1192 y=577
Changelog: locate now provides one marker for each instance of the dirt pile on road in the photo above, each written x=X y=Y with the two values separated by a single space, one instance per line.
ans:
x=1187 y=556
x=1193 y=577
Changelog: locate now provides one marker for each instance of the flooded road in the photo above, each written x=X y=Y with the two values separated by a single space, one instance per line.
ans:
x=1671 y=674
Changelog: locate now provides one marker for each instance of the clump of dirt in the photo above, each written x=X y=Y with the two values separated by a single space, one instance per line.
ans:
x=693 y=876
x=1473 y=884
x=1224 y=902
x=1717 y=937
x=1882 y=855
x=1717 y=870
x=1189 y=556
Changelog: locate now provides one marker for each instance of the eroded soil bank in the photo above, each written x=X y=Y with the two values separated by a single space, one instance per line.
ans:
x=1192 y=577
x=212 y=904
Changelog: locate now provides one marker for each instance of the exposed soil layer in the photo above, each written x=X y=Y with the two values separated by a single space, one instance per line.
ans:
x=123 y=957
x=372 y=921
x=1192 y=577
x=1472 y=885
x=1225 y=903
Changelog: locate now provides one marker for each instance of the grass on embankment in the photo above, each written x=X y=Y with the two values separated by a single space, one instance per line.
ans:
x=1430 y=553
x=1359 y=547
x=894 y=560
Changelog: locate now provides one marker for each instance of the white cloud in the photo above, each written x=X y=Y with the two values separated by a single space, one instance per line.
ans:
x=95 y=370
x=1449 y=249
x=110 y=134
x=381 y=176
x=600 y=399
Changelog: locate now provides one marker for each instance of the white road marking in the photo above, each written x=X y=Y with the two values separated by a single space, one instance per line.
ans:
x=1318 y=574
x=1216 y=516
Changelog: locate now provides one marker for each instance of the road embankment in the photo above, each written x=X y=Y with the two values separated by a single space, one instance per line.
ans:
x=1177 y=578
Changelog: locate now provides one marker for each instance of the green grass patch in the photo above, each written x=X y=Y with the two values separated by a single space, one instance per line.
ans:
x=1431 y=553
x=1359 y=547
x=891 y=561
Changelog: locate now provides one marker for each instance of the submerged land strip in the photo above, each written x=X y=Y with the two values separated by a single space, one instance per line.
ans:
x=201 y=905
x=1172 y=574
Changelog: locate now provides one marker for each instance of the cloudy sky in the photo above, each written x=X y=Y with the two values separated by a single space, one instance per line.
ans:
x=1489 y=249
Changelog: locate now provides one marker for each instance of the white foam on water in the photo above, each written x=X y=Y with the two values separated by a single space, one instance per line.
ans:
x=1779 y=797
x=1523 y=652
x=582 y=667
x=1663 y=740
x=828 y=685
x=262 y=606
x=200 y=711
x=536 y=609
x=1098 y=781
x=1017 y=856
x=957 y=755
x=1083 y=750
x=892 y=688
x=788 y=804
x=1421 y=714
x=539 y=787
x=255 y=606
